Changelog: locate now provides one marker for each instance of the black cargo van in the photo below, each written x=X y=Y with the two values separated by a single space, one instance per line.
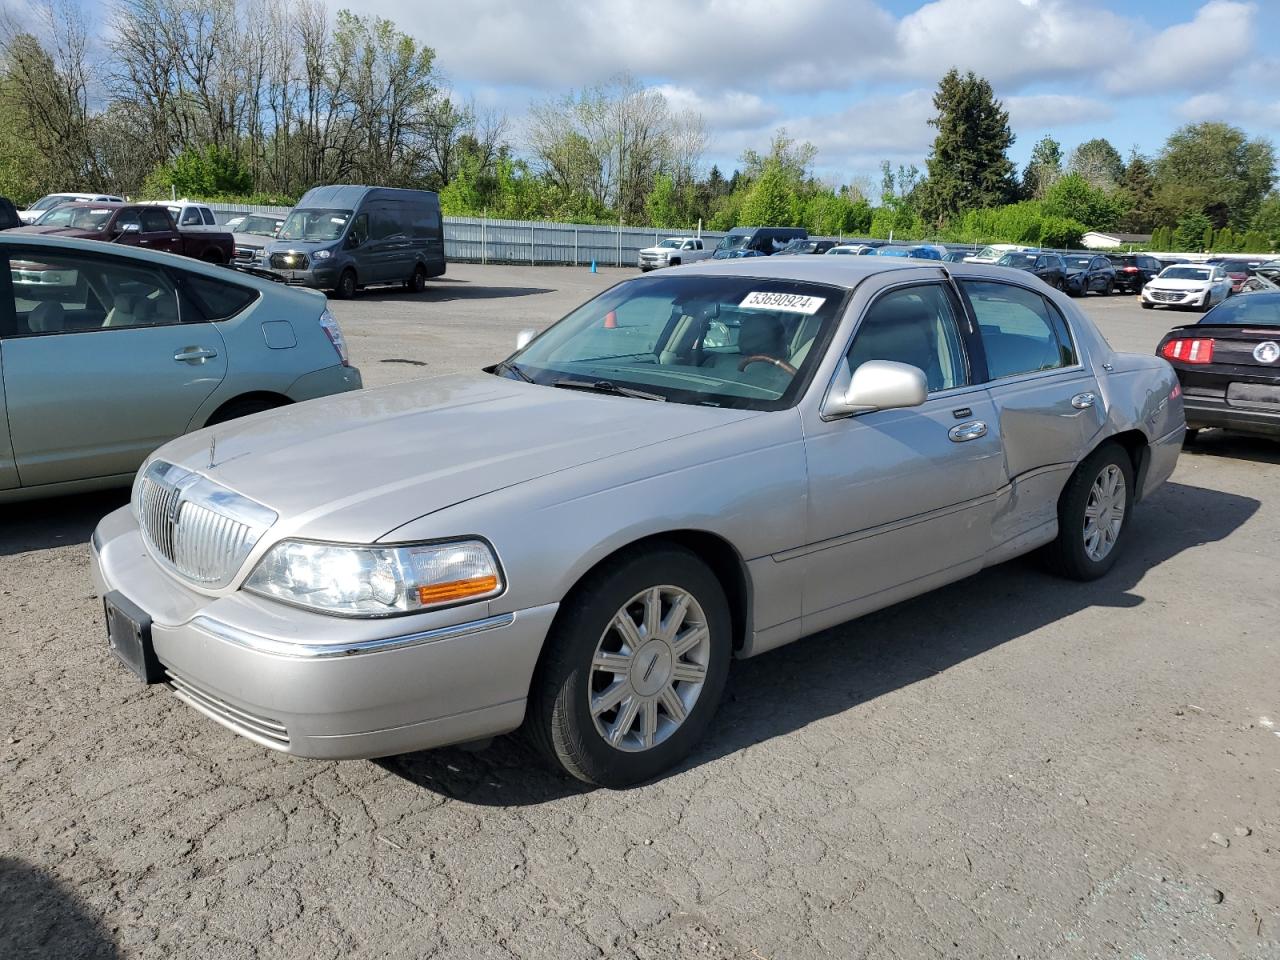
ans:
x=8 y=214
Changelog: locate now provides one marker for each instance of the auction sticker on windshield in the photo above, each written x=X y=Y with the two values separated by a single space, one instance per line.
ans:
x=788 y=302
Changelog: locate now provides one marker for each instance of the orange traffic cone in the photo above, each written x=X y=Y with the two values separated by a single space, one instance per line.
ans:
x=611 y=320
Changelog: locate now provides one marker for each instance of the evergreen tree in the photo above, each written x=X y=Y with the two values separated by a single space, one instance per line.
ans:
x=1207 y=240
x=1137 y=189
x=1254 y=241
x=1189 y=233
x=1044 y=167
x=1098 y=162
x=968 y=166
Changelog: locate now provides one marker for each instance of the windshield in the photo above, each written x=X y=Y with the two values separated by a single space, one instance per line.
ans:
x=52 y=200
x=669 y=245
x=261 y=226
x=1023 y=261
x=990 y=253
x=1078 y=263
x=1250 y=310
x=733 y=241
x=315 y=225
x=716 y=341
x=81 y=218
x=1185 y=273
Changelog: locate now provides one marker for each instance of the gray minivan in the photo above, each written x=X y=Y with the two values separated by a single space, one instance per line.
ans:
x=343 y=238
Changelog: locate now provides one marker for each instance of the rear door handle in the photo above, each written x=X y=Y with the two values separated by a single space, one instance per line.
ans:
x=963 y=432
x=1083 y=401
x=194 y=354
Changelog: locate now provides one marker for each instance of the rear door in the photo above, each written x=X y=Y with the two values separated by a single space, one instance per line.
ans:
x=158 y=232
x=100 y=372
x=8 y=468
x=1046 y=401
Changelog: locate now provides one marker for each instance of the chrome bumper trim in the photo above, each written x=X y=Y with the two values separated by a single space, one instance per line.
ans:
x=324 y=651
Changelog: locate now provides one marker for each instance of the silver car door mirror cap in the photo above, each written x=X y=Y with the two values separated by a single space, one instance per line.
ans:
x=878 y=385
x=524 y=337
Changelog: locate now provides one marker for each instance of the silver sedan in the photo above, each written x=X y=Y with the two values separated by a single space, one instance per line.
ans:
x=691 y=467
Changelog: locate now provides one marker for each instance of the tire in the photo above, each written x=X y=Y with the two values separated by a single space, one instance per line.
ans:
x=1148 y=306
x=1071 y=554
x=673 y=262
x=1059 y=284
x=242 y=407
x=560 y=719
x=1208 y=303
x=1106 y=290
x=417 y=281
x=346 y=287
x=1191 y=436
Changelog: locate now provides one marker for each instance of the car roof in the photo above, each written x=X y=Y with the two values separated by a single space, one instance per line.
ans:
x=845 y=272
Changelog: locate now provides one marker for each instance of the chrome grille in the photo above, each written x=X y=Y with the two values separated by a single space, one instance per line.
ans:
x=264 y=730
x=1167 y=296
x=198 y=528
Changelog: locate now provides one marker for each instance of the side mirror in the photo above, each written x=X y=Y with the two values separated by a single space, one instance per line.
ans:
x=876 y=385
x=129 y=228
x=524 y=337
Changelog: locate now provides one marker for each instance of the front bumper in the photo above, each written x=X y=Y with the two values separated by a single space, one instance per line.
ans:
x=1174 y=298
x=317 y=277
x=1218 y=412
x=324 y=687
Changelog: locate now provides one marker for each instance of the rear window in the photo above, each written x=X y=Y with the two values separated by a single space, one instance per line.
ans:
x=1124 y=261
x=1250 y=310
x=218 y=300
x=1021 y=332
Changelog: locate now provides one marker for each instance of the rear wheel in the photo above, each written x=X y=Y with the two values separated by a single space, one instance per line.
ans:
x=417 y=281
x=1093 y=515
x=242 y=407
x=634 y=669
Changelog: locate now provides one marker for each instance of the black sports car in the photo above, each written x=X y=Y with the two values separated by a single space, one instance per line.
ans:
x=1229 y=365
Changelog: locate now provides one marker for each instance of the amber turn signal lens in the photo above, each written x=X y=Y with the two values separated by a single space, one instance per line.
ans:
x=457 y=590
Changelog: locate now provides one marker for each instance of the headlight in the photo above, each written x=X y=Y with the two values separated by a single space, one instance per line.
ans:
x=322 y=255
x=372 y=581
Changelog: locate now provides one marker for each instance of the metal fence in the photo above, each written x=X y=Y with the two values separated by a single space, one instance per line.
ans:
x=481 y=240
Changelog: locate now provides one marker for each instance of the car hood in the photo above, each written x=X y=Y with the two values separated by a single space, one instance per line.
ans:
x=252 y=240
x=666 y=250
x=76 y=232
x=355 y=466
x=1159 y=284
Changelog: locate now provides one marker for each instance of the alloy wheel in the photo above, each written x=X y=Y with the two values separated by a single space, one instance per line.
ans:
x=1104 y=513
x=649 y=668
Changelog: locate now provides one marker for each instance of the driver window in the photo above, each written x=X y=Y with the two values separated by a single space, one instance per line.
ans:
x=359 y=231
x=914 y=325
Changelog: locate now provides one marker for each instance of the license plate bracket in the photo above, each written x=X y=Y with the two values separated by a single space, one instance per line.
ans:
x=129 y=637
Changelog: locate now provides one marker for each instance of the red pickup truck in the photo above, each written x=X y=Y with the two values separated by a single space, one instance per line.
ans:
x=133 y=225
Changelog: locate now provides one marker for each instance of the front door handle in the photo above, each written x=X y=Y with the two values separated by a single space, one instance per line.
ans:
x=1083 y=401
x=963 y=432
x=194 y=354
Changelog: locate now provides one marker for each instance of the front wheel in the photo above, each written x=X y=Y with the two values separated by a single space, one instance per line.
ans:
x=1059 y=285
x=634 y=669
x=1093 y=515
x=346 y=288
x=417 y=281
x=1147 y=306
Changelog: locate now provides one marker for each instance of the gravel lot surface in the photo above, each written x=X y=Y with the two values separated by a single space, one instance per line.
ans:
x=1014 y=766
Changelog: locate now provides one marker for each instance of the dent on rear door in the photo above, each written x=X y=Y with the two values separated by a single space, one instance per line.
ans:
x=8 y=468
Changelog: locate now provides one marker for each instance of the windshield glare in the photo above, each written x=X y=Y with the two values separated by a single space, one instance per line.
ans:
x=716 y=341
x=668 y=244
x=44 y=203
x=261 y=226
x=315 y=225
x=1024 y=260
x=80 y=218
x=1185 y=273
x=1250 y=310
x=1080 y=263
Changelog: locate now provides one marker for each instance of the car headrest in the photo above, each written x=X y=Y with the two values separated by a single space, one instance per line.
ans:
x=47 y=317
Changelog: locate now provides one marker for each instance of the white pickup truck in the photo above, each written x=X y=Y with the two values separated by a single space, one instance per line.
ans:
x=672 y=252
x=190 y=217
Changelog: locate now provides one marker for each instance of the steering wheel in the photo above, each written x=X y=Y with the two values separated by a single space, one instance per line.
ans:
x=761 y=358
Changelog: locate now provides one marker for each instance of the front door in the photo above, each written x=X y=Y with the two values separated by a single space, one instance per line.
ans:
x=904 y=496
x=8 y=469
x=102 y=369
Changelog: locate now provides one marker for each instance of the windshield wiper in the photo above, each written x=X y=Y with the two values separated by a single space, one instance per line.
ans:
x=606 y=386
x=508 y=365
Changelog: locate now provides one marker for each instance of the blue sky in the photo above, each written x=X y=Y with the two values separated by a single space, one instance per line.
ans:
x=855 y=77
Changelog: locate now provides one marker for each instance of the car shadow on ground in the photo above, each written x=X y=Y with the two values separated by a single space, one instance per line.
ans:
x=779 y=692
x=42 y=920
x=443 y=291
x=1219 y=443
x=55 y=522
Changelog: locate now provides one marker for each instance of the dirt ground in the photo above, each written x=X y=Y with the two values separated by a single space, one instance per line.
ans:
x=1014 y=766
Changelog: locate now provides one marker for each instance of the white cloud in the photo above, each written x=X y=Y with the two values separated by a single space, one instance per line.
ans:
x=1042 y=110
x=1205 y=106
x=1190 y=56
x=726 y=110
x=1236 y=109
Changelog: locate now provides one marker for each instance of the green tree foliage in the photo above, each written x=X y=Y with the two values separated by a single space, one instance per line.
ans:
x=1216 y=170
x=1267 y=220
x=1044 y=167
x=771 y=200
x=1098 y=162
x=1162 y=238
x=663 y=205
x=1024 y=222
x=1206 y=240
x=1188 y=235
x=1254 y=241
x=968 y=166
x=1073 y=198
x=207 y=173
x=1137 y=192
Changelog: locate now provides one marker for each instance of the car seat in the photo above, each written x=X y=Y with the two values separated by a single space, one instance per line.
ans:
x=48 y=317
x=903 y=330
x=128 y=310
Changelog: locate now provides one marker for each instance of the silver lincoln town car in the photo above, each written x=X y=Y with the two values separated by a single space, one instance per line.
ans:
x=695 y=465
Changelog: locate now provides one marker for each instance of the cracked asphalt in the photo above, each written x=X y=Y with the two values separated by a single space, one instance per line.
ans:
x=1013 y=766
